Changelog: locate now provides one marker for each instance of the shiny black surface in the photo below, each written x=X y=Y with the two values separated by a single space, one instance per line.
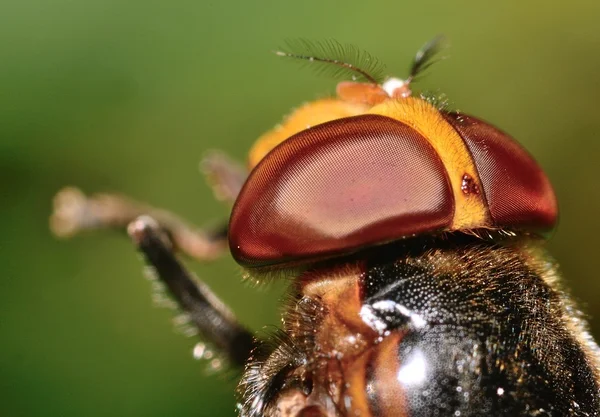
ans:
x=484 y=334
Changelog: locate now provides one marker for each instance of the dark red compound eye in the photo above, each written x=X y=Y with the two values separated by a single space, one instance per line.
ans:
x=518 y=193
x=338 y=187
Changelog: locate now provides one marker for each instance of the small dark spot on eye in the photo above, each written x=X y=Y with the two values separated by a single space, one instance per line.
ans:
x=468 y=185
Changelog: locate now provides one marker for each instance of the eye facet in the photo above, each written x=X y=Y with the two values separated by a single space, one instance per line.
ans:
x=518 y=192
x=339 y=187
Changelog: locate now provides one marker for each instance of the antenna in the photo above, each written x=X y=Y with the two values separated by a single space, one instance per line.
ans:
x=339 y=59
x=427 y=56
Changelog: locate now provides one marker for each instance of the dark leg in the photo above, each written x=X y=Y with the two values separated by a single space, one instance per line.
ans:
x=214 y=320
x=157 y=236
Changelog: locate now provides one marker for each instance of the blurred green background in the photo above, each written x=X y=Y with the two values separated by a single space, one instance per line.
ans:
x=127 y=95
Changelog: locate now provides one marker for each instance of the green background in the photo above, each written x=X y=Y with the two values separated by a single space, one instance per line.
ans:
x=127 y=95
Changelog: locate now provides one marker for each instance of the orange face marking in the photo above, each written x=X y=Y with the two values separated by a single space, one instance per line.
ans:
x=356 y=390
x=378 y=393
x=388 y=394
x=470 y=207
x=342 y=329
x=341 y=334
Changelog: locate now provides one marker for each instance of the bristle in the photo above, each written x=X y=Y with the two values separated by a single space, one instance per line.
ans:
x=274 y=355
x=261 y=277
x=438 y=100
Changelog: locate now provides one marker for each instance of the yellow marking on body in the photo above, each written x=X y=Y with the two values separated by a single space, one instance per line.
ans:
x=308 y=115
x=470 y=208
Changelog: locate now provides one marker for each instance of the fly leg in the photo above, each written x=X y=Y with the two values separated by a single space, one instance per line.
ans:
x=213 y=319
x=74 y=212
x=158 y=234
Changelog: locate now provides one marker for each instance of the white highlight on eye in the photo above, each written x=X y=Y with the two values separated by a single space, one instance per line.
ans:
x=500 y=391
x=414 y=372
x=392 y=84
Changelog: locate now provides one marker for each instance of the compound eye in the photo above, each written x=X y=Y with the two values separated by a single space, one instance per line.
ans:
x=338 y=187
x=517 y=191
